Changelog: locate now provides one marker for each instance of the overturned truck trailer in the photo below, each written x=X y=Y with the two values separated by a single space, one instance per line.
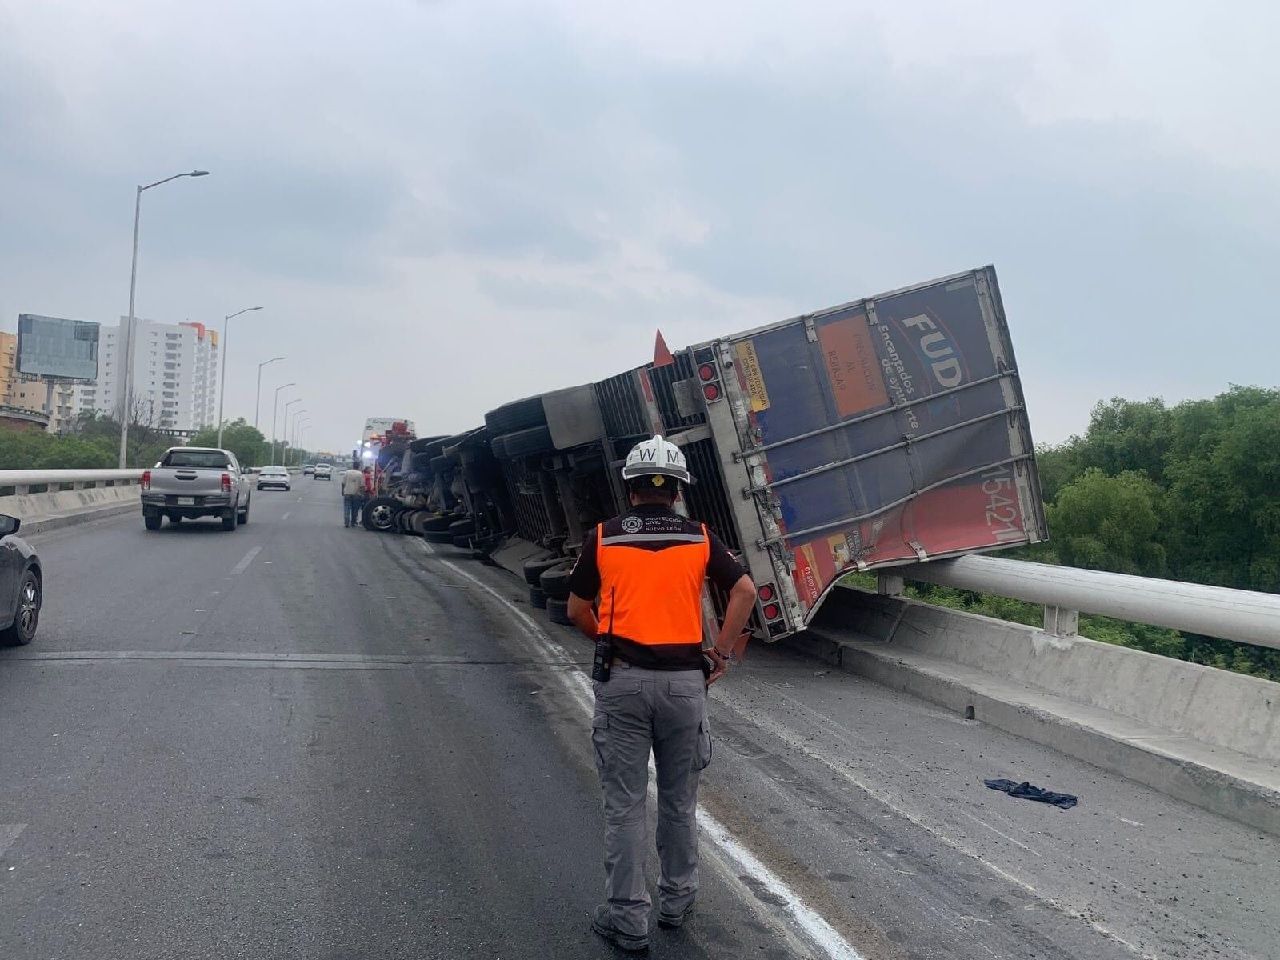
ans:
x=884 y=431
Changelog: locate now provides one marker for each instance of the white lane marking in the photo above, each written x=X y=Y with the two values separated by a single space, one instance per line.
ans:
x=9 y=833
x=820 y=933
x=286 y=515
x=247 y=559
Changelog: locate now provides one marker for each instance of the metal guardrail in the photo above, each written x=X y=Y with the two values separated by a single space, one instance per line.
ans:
x=19 y=482
x=1240 y=615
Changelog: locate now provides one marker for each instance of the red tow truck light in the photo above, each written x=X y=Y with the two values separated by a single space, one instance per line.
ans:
x=146 y=479
x=706 y=373
x=766 y=593
x=226 y=483
x=772 y=611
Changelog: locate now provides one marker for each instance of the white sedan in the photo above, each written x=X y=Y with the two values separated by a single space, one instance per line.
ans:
x=277 y=477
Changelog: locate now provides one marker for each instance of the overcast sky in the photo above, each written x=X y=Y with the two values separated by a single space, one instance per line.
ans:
x=442 y=206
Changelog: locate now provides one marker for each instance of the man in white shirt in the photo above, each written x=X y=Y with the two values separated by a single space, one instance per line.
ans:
x=352 y=497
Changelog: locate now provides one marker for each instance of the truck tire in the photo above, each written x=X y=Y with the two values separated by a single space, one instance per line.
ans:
x=229 y=523
x=558 y=611
x=527 y=443
x=537 y=598
x=404 y=520
x=533 y=569
x=555 y=582
x=461 y=528
x=438 y=536
x=152 y=521
x=462 y=540
x=418 y=522
x=379 y=514
x=437 y=523
x=244 y=515
x=517 y=415
x=498 y=446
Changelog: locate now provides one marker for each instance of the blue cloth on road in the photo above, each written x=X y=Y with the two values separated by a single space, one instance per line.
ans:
x=1025 y=791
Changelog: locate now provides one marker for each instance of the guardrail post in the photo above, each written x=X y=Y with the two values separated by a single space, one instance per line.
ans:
x=1061 y=622
x=889 y=584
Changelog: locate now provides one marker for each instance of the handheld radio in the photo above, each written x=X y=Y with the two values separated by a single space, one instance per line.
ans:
x=600 y=664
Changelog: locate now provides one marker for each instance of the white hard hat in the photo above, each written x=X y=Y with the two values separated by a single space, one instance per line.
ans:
x=656 y=458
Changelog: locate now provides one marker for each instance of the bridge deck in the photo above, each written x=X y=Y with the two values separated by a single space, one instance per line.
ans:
x=304 y=741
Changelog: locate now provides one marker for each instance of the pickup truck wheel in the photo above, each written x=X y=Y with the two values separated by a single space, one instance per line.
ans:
x=244 y=516
x=558 y=611
x=379 y=514
x=555 y=582
x=152 y=521
x=229 y=521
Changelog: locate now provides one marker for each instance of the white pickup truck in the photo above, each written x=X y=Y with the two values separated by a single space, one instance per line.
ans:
x=191 y=482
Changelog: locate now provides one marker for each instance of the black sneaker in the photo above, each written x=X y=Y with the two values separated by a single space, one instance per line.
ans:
x=602 y=924
x=673 y=920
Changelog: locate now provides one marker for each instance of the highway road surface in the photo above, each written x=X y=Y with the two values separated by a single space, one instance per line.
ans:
x=302 y=741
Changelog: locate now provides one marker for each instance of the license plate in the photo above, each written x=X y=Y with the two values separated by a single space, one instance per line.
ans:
x=186 y=501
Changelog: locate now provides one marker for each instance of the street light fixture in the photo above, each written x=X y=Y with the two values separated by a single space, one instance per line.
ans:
x=127 y=385
x=257 y=402
x=275 y=413
x=222 y=387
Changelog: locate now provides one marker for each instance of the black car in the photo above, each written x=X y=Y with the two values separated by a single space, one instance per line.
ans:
x=21 y=585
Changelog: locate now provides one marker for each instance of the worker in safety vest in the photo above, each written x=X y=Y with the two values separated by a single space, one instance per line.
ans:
x=647 y=568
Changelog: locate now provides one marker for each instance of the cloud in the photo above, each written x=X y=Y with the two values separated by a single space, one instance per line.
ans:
x=442 y=206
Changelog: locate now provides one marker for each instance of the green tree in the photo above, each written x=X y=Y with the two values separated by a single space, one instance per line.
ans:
x=1102 y=522
x=238 y=436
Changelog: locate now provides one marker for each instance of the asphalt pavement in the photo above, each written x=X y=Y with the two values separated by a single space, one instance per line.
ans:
x=298 y=740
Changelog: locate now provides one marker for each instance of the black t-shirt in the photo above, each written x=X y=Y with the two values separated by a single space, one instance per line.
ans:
x=722 y=569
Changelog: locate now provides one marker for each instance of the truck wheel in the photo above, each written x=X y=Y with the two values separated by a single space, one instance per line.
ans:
x=527 y=443
x=152 y=521
x=379 y=514
x=517 y=415
x=461 y=528
x=462 y=540
x=555 y=582
x=229 y=522
x=244 y=516
x=558 y=611
x=437 y=536
x=533 y=569
x=436 y=523
x=537 y=598
x=418 y=522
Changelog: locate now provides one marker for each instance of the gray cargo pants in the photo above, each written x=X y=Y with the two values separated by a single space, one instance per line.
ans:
x=637 y=711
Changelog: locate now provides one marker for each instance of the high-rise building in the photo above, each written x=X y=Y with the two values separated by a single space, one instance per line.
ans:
x=8 y=366
x=175 y=375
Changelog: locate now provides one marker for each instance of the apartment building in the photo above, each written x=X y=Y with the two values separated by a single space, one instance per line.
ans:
x=8 y=366
x=175 y=375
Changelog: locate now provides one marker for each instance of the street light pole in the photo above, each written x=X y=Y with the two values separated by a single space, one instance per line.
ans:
x=293 y=431
x=222 y=388
x=298 y=419
x=127 y=384
x=257 y=402
x=285 y=438
x=275 y=412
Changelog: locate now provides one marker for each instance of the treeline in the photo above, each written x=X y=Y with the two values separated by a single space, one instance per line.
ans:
x=1188 y=492
x=92 y=442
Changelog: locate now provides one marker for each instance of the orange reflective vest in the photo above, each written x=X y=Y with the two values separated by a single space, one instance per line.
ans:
x=651 y=585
